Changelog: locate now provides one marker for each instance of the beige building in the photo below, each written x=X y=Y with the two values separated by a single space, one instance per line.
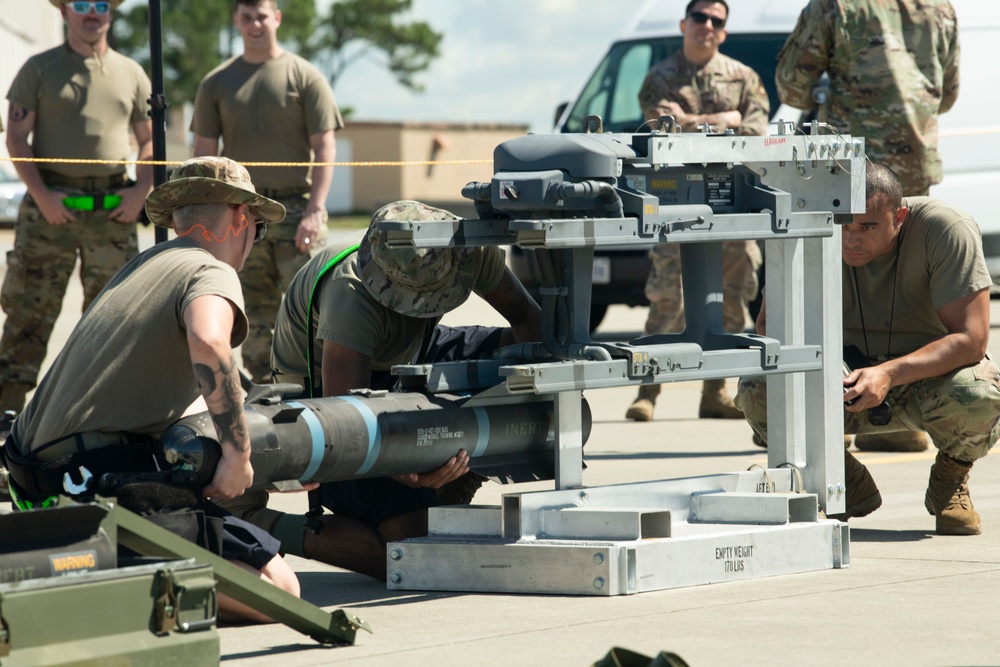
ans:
x=26 y=28
x=365 y=188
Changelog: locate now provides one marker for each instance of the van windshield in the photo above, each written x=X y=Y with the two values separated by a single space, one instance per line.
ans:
x=613 y=91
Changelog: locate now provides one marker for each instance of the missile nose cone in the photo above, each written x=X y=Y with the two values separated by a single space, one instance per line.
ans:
x=182 y=448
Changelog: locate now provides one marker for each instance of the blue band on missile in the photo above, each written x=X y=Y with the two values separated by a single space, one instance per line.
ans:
x=316 y=433
x=484 y=432
x=374 y=436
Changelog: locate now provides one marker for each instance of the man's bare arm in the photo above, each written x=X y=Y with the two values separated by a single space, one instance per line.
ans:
x=513 y=302
x=205 y=146
x=324 y=148
x=20 y=124
x=968 y=323
x=209 y=323
x=134 y=198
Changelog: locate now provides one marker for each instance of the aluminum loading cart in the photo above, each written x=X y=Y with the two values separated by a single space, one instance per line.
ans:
x=564 y=195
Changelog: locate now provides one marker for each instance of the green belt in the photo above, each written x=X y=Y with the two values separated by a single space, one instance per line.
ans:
x=101 y=202
x=85 y=183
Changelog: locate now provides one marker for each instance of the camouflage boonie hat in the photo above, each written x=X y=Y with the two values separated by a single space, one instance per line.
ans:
x=209 y=180
x=418 y=282
x=58 y=4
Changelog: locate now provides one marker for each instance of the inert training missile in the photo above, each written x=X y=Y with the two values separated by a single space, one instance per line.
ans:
x=354 y=437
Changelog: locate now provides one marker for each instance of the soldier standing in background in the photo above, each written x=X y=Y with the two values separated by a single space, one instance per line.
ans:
x=893 y=67
x=699 y=85
x=71 y=210
x=269 y=105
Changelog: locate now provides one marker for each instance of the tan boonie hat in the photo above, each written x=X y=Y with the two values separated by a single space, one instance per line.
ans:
x=60 y=3
x=418 y=282
x=209 y=180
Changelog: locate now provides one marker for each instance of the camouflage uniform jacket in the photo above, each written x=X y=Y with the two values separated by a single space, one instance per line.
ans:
x=722 y=84
x=893 y=66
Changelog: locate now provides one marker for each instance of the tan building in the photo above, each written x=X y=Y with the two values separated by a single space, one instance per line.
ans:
x=26 y=28
x=366 y=188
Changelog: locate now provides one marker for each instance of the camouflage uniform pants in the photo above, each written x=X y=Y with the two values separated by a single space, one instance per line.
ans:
x=38 y=270
x=960 y=410
x=270 y=267
x=664 y=288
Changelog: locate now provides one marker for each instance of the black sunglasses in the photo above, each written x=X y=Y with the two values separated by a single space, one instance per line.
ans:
x=701 y=18
x=260 y=232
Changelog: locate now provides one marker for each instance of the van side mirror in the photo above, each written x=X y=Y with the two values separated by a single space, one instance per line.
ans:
x=560 y=110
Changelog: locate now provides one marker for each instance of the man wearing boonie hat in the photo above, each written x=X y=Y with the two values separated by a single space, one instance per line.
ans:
x=159 y=336
x=348 y=316
x=77 y=101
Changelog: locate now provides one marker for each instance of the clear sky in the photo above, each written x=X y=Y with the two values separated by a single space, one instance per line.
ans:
x=501 y=61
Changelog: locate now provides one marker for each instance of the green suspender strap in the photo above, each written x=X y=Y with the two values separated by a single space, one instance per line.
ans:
x=337 y=259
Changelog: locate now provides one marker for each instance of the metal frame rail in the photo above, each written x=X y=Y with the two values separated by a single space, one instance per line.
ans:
x=785 y=190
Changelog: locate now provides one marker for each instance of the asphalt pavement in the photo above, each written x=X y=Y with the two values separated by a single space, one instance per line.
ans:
x=910 y=597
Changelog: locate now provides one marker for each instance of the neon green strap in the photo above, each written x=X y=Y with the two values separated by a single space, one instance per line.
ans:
x=337 y=259
x=25 y=505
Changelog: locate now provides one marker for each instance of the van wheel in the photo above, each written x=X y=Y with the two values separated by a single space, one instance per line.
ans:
x=597 y=313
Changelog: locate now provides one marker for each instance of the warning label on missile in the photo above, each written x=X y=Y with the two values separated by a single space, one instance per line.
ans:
x=432 y=434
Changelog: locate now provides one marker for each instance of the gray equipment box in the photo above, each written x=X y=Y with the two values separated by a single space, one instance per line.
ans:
x=152 y=614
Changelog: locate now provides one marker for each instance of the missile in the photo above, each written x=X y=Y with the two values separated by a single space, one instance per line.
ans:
x=354 y=437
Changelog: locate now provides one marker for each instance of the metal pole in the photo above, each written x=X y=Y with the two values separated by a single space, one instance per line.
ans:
x=158 y=103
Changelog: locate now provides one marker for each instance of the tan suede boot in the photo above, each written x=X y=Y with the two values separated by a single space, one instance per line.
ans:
x=894 y=441
x=641 y=409
x=716 y=403
x=863 y=496
x=948 y=497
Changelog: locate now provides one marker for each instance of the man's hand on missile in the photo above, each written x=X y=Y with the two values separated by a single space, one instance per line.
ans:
x=456 y=466
x=233 y=476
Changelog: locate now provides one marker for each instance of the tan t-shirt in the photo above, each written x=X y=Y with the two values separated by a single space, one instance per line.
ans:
x=126 y=367
x=266 y=112
x=84 y=107
x=940 y=257
x=347 y=314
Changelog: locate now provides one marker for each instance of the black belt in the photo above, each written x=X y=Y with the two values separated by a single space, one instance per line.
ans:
x=85 y=183
x=282 y=193
x=42 y=479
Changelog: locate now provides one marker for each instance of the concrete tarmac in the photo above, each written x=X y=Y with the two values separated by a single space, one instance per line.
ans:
x=910 y=597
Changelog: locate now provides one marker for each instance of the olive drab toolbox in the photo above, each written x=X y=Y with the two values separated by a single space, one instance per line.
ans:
x=64 y=600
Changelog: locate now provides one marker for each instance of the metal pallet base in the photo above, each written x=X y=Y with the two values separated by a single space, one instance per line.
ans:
x=600 y=541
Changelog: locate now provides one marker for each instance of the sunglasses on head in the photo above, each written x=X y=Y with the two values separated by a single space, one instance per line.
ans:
x=260 y=232
x=701 y=18
x=85 y=7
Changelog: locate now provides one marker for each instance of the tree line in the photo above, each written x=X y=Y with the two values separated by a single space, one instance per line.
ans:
x=199 y=34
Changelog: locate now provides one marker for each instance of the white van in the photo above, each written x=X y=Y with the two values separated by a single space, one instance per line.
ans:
x=970 y=135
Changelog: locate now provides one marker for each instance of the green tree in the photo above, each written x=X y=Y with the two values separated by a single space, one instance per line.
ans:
x=356 y=29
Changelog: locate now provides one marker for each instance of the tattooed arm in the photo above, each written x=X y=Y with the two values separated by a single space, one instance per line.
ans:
x=21 y=123
x=209 y=323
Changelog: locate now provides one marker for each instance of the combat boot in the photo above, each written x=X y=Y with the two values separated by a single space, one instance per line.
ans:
x=716 y=403
x=948 y=497
x=12 y=395
x=894 y=441
x=641 y=409
x=863 y=496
